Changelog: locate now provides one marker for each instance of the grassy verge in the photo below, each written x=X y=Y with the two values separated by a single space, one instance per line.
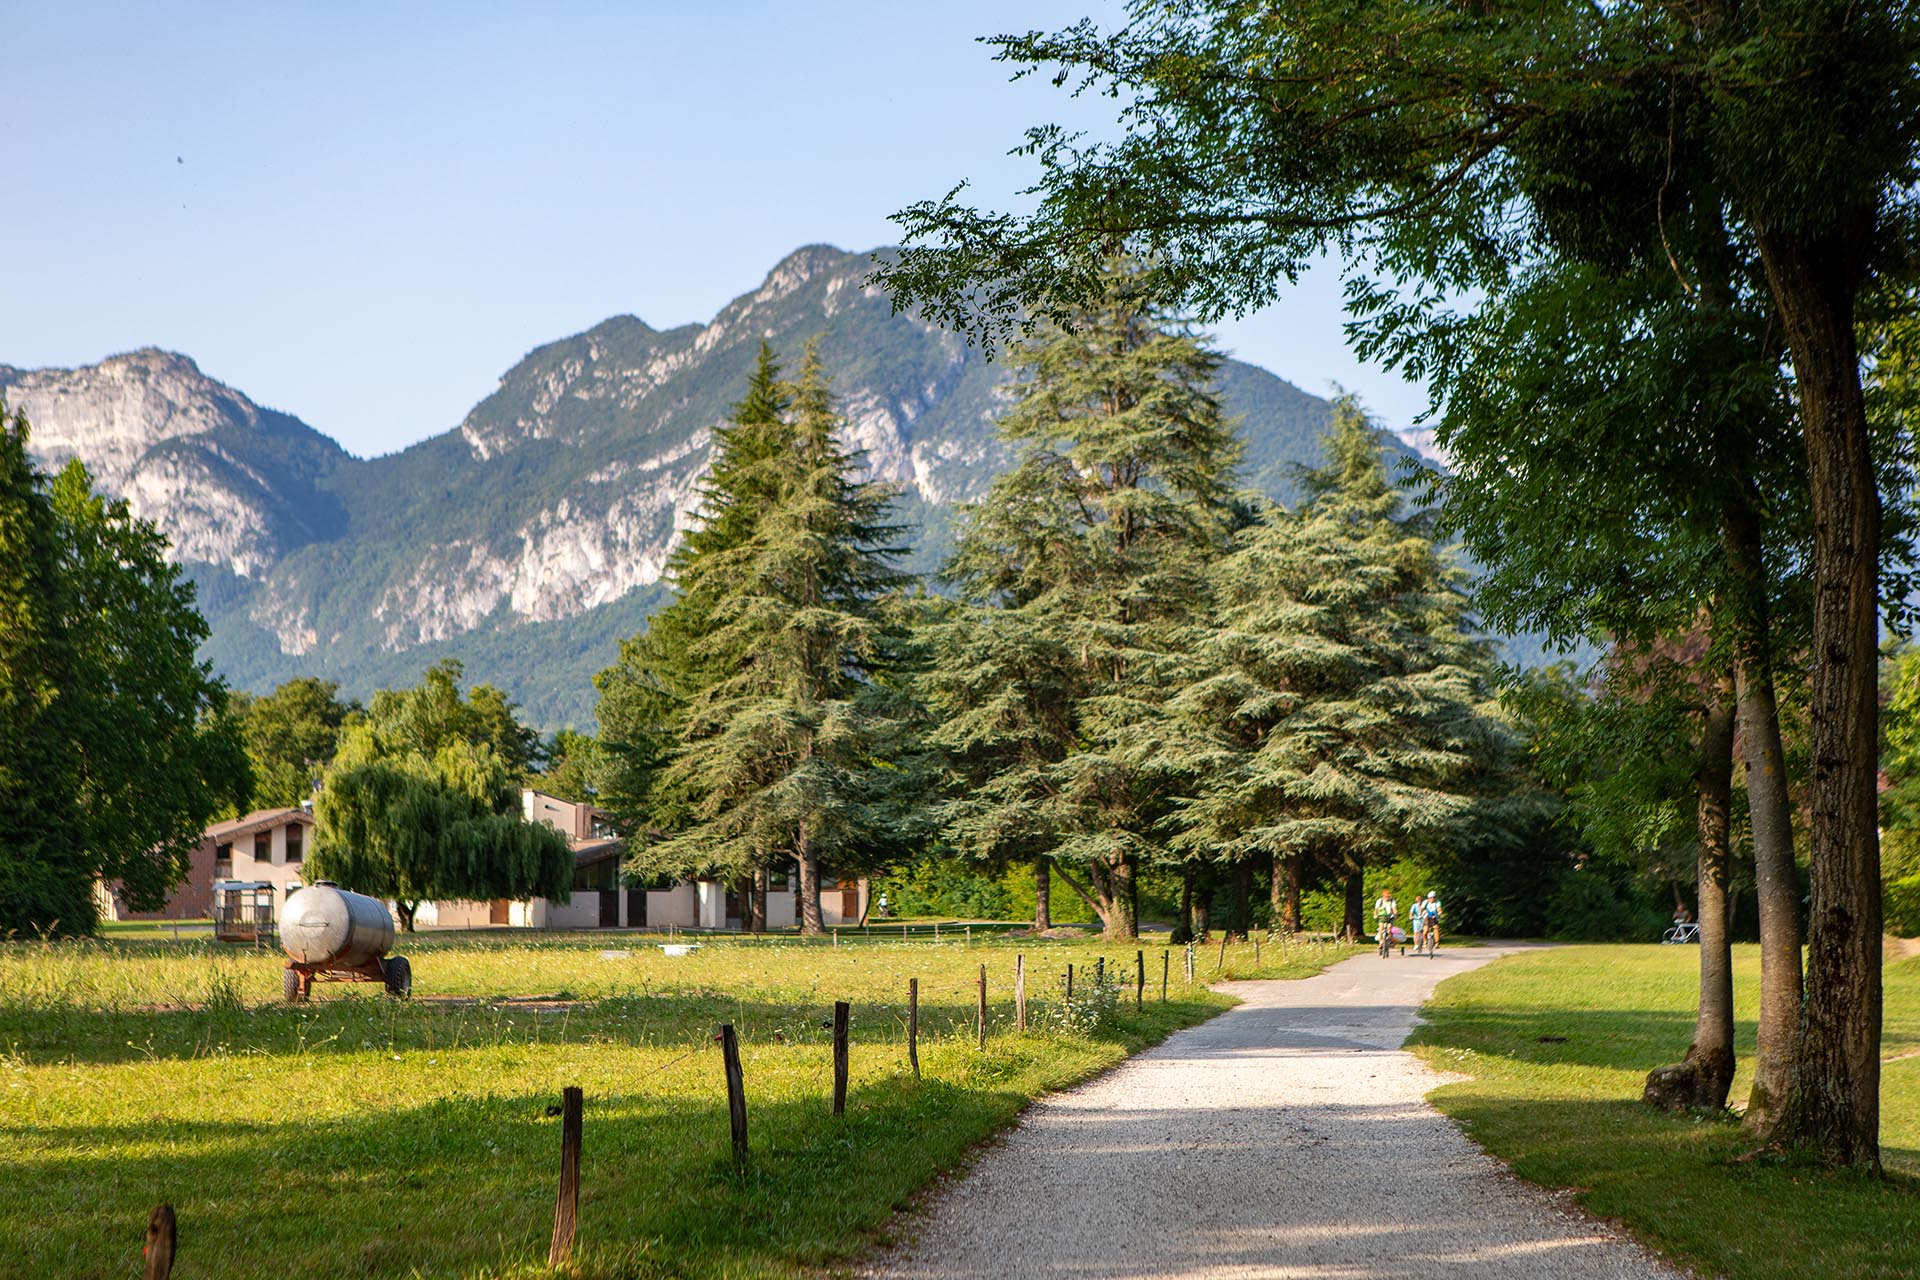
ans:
x=1557 y=1045
x=363 y=1136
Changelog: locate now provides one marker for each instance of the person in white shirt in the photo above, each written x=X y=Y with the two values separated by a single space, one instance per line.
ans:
x=1385 y=911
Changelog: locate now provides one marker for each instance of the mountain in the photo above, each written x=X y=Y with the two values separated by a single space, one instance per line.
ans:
x=530 y=538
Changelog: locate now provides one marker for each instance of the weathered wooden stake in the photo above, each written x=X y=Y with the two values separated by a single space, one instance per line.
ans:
x=1020 y=993
x=566 y=1207
x=1221 y=962
x=1166 y=961
x=161 y=1239
x=839 y=1057
x=913 y=1025
x=1189 y=955
x=1099 y=971
x=983 y=1008
x=1069 y=984
x=969 y=935
x=736 y=1093
x=1256 y=953
x=1139 y=978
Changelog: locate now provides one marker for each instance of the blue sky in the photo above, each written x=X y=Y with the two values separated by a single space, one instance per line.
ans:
x=362 y=214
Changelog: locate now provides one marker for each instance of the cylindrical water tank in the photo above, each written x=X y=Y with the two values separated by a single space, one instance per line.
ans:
x=325 y=925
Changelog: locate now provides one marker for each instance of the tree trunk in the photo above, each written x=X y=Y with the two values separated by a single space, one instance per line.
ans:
x=1183 y=932
x=1771 y=814
x=1290 y=916
x=1240 y=903
x=1833 y=1102
x=1356 y=891
x=1042 y=894
x=1203 y=906
x=1124 y=923
x=1704 y=1076
x=405 y=911
x=757 y=901
x=810 y=921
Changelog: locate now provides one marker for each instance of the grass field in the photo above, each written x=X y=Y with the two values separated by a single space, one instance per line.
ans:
x=1558 y=1044
x=366 y=1136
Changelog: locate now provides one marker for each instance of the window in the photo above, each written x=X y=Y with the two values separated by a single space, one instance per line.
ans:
x=296 y=839
x=263 y=847
x=223 y=861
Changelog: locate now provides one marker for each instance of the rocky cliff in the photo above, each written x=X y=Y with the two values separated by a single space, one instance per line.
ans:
x=529 y=538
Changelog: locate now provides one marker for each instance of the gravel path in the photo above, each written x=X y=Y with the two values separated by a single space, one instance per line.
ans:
x=1288 y=1137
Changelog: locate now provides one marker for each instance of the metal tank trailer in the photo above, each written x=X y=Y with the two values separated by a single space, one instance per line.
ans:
x=337 y=936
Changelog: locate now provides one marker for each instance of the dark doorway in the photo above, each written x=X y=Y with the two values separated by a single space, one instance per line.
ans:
x=609 y=908
x=636 y=908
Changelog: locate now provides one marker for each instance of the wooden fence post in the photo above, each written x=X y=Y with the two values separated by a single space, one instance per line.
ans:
x=983 y=1008
x=566 y=1207
x=1069 y=985
x=839 y=1057
x=1020 y=993
x=1139 y=978
x=1166 y=960
x=1221 y=962
x=913 y=1025
x=1256 y=953
x=1189 y=955
x=161 y=1239
x=736 y=1093
x=1099 y=971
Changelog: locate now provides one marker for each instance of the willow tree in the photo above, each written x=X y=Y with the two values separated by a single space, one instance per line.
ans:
x=1082 y=565
x=410 y=827
x=791 y=748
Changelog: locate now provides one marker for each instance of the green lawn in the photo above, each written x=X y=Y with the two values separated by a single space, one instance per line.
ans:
x=365 y=1136
x=1566 y=1113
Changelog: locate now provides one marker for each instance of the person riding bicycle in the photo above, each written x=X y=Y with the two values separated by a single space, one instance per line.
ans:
x=1417 y=922
x=1430 y=913
x=1385 y=910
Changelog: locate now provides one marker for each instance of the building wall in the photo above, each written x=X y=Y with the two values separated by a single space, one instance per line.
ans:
x=275 y=868
x=191 y=900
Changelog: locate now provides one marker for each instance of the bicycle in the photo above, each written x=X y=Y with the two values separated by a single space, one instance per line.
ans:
x=1681 y=933
x=1386 y=939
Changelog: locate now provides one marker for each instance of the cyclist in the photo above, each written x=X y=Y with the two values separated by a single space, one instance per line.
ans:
x=1385 y=909
x=1417 y=924
x=1431 y=913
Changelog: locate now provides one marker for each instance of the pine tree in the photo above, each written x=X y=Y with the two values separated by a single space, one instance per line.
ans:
x=782 y=755
x=1333 y=698
x=1080 y=568
x=643 y=696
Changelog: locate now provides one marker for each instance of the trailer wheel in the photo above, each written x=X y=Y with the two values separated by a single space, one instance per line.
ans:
x=399 y=976
x=291 y=985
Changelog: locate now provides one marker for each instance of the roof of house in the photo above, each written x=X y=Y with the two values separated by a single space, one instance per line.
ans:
x=586 y=852
x=258 y=820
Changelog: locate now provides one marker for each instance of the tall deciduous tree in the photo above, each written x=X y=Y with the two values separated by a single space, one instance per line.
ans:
x=115 y=742
x=290 y=735
x=790 y=750
x=1425 y=141
x=1081 y=566
x=45 y=878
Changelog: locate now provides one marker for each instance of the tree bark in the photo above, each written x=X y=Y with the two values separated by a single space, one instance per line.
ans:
x=405 y=911
x=1771 y=813
x=1124 y=922
x=1356 y=890
x=1042 y=894
x=1704 y=1076
x=1183 y=932
x=1203 y=906
x=1833 y=1103
x=810 y=919
x=1240 y=903
x=1290 y=915
x=757 y=901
